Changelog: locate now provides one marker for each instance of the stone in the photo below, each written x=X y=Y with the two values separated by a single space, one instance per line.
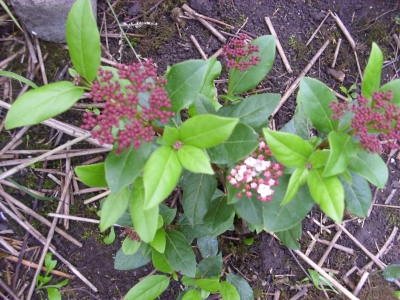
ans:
x=46 y=19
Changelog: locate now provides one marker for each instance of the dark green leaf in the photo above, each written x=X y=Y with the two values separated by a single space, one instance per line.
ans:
x=92 y=175
x=179 y=254
x=167 y=214
x=129 y=262
x=301 y=121
x=357 y=195
x=113 y=207
x=218 y=213
x=372 y=73
x=83 y=39
x=250 y=209
x=208 y=246
x=241 y=285
x=149 y=288
x=211 y=266
x=122 y=169
x=290 y=236
x=203 y=105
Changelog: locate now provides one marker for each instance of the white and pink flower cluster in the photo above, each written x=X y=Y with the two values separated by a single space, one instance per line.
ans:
x=256 y=174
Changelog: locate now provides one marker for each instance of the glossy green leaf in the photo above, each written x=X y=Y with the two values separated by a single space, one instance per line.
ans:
x=319 y=158
x=218 y=213
x=204 y=105
x=250 y=209
x=279 y=217
x=240 y=82
x=42 y=103
x=161 y=263
x=254 y=110
x=92 y=175
x=205 y=131
x=211 y=266
x=301 y=121
x=291 y=150
x=18 y=77
x=171 y=135
x=195 y=160
x=241 y=285
x=357 y=195
x=208 y=284
x=188 y=281
x=242 y=142
x=197 y=192
x=213 y=71
x=124 y=262
x=159 y=241
x=228 y=291
x=130 y=246
x=149 y=288
x=179 y=254
x=113 y=207
x=83 y=39
x=298 y=178
x=145 y=221
x=207 y=245
x=161 y=174
x=167 y=214
x=372 y=72
x=122 y=169
x=192 y=295
x=393 y=86
x=346 y=176
x=185 y=81
x=290 y=236
x=109 y=239
x=328 y=192
x=343 y=149
x=316 y=97
x=392 y=272
x=371 y=167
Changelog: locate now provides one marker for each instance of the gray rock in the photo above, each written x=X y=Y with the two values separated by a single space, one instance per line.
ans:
x=46 y=19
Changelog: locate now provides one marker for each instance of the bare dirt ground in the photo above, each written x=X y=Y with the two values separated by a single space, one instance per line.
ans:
x=269 y=266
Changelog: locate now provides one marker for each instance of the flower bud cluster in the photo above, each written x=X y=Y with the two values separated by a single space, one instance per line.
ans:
x=241 y=55
x=124 y=120
x=256 y=174
x=378 y=117
x=132 y=234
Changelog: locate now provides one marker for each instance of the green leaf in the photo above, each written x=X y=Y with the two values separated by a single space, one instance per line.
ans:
x=5 y=7
x=188 y=281
x=291 y=150
x=204 y=105
x=343 y=149
x=250 y=209
x=240 y=82
x=319 y=158
x=130 y=246
x=241 y=285
x=185 y=81
x=159 y=241
x=129 y=262
x=371 y=167
x=302 y=123
x=316 y=97
x=195 y=160
x=179 y=254
x=49 y=263
x=208 y=284
x=92 y=175
x=192 y=295
x=53 y=293
x=197 y=192
x=290 y=236
x=205 y=131
x=208 y=246
x=279 y=217
x=213 y=71
x=122 y=169
x=346 y=176
x=83 y=39
x=18 y=77
x=218 y=213
x=254 y=110
x=145 y=221
x=372 y=73
x=161 y=174
x=393 y=86
x=113 y=207
x=228 y=291
x=328 y=193
x=149 y=288
x=167 y=214
x=42 y=103
x=357 y=195
x=161 y=263
x=298 y=178
x=109 y=239
x=242 y=142
x=211 y=266
x=392 y=272
x=171 y=135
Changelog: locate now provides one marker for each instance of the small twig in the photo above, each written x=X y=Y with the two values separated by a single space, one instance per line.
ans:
x=198 y=47
x=390 y=197
x=385 y=205
x=318 y=28
x=99 y=196
x=6 y=288
x=336 y=53
x=336 y=246
x=360 y=283
x=302 y=74
x=8 y=247
x=299 y=294
x=278 y=45
x=4 y=62
x=344 y=29
x=328 y=250
x=300 y=265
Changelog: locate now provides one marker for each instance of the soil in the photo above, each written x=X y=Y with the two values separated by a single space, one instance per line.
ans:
x=266 y=264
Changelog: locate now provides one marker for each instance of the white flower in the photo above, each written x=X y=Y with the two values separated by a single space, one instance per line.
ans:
x=264 y=190
x=233 y=181
x=271 y=182
x=262 y=165
x=250 y=161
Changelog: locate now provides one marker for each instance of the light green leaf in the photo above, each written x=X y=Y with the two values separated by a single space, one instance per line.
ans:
x=241 y=285
x=42 y=103
x=122 y=169
x=393 y=86
x=18 y=77
x=328 y=193
x=109 y=239
x=357 y=195
x=208 y=284
x=298 y=178
x=171 y=135
x=179 y=254
x=372 y=73
x=228 y=291
x=83 y=39
x=205 y=131
x=5 y=7
x=130 y=246
x=161 y=263
x=159 y=241
x=113 y=207
x=192 y=295
x=319 y=158
x=291 y=150
x=392 y=272
x=161 y=174
x=92 y=175
x=53 y=293
x=149 y=288
x=195 y=160
x=371 y=167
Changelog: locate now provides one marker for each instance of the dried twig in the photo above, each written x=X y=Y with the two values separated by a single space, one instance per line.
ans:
x=344 y=30
x=198 y=47
x=328 y=250
x=336 y=246
x=318 y=28
x=336 y=53
x=360 y=283
x=97 y=197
